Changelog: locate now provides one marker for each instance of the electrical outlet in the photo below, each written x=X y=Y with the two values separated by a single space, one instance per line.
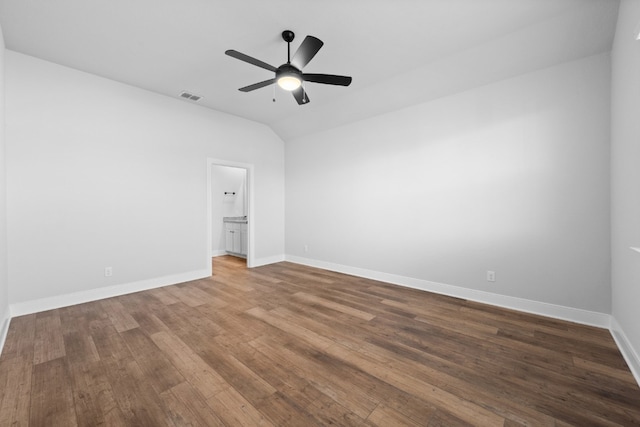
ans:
x=108 y=272
x=491 y=276
x=306 y=248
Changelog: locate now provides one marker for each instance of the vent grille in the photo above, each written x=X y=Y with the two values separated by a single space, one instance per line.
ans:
x=190 y=96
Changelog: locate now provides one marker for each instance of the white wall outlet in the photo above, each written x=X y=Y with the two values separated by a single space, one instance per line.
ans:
x=108 y=272
x=306 y=248
x=491 y=276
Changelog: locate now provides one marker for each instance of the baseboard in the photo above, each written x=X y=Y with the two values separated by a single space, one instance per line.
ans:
x=627 y=350
x=535 y=307
x=571 y=314
x=50 y=303
x=220 y=252
x=257 y=262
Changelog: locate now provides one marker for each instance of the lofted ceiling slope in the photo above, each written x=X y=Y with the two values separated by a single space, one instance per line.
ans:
x=399 y=52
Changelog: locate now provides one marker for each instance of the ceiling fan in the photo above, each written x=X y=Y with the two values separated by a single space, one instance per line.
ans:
x=289 y=76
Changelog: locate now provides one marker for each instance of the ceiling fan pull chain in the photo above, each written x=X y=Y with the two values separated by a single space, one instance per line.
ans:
x=274 y=93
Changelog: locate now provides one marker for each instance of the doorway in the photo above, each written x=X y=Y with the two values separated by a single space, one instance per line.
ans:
x=229 y=206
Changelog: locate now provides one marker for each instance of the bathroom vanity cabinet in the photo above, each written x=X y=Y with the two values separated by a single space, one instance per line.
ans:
x=236 y=238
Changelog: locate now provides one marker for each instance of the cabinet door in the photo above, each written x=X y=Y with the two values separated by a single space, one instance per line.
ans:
x=243 y=239
x=237 y=241
x=228 y=234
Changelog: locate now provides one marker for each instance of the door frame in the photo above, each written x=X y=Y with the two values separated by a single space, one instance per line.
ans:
x=249 y=167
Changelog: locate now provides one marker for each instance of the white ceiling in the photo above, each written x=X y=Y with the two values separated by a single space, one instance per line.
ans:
x=399 y=52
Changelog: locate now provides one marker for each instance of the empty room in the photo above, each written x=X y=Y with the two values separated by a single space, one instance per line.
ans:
x=438 y=226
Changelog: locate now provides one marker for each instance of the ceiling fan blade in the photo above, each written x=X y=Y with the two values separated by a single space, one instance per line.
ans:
x=328 y=79
x=246 y=58
x=257 y=85
x=301 y=96
x=307 y=50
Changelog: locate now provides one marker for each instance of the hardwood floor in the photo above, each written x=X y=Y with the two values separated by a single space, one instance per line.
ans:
x=287 y=345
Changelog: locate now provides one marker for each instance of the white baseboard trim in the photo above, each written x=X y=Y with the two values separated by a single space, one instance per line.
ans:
x=571 y=314
x=50 y=303
x=535 y=307
x=257 y=262
x=627 y=350
x=220 y=252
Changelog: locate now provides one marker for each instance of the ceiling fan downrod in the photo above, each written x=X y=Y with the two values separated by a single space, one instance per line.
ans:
x=288 y=36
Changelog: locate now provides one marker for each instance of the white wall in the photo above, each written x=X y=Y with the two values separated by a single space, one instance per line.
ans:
x=226 y=179
x=625 y=182
x=511 y=177
x=4 y=286
x=103 y=174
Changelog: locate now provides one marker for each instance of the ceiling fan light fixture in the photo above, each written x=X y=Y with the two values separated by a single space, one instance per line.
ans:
x=289 y=76
x=289 y=82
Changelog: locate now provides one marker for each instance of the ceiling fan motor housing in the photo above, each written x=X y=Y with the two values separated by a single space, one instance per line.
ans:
x=289 y=77
x=288 y=70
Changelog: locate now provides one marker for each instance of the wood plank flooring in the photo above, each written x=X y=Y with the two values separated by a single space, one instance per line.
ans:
x=288 y=345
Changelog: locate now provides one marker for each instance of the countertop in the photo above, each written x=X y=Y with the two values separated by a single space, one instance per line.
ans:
x=236 y=219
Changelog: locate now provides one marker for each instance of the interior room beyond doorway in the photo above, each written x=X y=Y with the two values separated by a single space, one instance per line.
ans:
x=229 y=211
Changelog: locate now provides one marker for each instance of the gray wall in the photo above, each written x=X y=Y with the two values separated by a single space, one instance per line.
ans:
x=511 y=177
x=4 y=286
x=103 y=174
x=625 y=180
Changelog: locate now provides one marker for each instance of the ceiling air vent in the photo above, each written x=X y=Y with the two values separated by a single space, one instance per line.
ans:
x=190 y=96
